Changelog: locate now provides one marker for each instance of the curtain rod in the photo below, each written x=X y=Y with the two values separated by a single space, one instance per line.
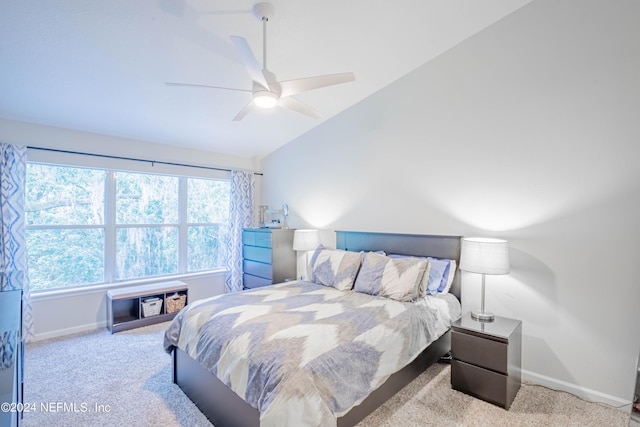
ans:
x=133 y=159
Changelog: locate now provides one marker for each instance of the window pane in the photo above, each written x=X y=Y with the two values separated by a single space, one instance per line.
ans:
x=63 y=257
x=205 y=248
x=207 y=201
x=146 y=251
x=146 y=199
x=57 y=195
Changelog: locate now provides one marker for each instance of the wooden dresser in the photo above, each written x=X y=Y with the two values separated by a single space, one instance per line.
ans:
x=486 y=358
x=267 y=256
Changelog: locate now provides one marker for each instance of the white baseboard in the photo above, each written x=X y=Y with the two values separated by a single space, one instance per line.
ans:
x=68 y=331
x=581 y=392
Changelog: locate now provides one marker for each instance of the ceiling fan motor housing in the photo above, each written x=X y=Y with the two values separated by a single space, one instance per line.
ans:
x=267 y=97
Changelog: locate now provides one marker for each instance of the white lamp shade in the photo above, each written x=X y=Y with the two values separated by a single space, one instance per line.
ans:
x=306 y=240
x=484 y=255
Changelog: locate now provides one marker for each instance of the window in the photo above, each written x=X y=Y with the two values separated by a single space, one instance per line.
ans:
x=207 y=211
x=146 y=225
x=91 y=226
x=65 y=225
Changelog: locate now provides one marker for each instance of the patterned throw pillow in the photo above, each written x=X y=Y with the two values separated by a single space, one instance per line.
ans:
x=334 y=267
x=395 y=278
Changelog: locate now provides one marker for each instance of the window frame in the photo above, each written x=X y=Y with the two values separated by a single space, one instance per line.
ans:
x=110 y=228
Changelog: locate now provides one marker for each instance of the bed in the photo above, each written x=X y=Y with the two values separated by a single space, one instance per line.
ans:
x=298 y=396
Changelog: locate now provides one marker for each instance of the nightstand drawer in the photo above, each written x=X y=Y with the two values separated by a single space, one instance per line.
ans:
x=482 y=352
x=258 y=269
x=255 y=253
x=487 y=385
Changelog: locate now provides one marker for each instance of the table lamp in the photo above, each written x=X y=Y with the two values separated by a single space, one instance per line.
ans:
x=484 y=256
x=306 y=240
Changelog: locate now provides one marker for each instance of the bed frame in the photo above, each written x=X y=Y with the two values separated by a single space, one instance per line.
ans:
x=224 y=408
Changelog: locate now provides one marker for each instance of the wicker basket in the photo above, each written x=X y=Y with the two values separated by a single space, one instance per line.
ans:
x=151 y=306
x=176 y=303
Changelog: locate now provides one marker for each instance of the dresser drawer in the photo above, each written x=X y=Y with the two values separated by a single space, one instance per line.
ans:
x=256 y=238
x=255 y=253
x=249 y=238
x=263 y=239
x=482 y=383
x=250 y=282
x=479 y=351
x=257 y=269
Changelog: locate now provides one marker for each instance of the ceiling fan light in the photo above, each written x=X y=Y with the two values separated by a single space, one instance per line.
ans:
x=265 y=99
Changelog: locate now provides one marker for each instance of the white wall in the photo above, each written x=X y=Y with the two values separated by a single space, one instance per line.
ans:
x=35 y=135
x=528 y=131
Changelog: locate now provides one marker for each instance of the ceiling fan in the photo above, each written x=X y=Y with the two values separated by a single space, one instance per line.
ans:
x=267 y=91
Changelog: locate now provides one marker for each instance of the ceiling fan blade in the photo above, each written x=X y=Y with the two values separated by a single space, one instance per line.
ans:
x=206 y=86
x=250 y=62
x=291 y=87
x=247 y=108
x=297 y=106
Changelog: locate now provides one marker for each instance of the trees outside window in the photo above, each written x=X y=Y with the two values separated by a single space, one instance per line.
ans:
x=91 y=226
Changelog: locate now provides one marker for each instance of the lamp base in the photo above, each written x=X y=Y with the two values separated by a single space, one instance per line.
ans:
x=482 y=316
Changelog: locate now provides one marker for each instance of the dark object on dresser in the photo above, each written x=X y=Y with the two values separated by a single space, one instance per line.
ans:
x=486 y=358
x=267 y=256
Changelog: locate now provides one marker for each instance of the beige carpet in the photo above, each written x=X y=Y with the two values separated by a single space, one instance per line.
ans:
x=99 y=379
x=430 y=401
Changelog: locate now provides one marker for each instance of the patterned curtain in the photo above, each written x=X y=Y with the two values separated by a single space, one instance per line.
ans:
x=14 y=273
x=240 y=216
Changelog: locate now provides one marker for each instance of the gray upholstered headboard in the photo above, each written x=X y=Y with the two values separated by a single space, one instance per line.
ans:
x=405 y=244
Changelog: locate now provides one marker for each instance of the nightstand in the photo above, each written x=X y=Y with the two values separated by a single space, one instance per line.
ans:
x=486 y=358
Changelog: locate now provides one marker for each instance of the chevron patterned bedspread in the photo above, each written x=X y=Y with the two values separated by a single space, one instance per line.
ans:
x=304 y=354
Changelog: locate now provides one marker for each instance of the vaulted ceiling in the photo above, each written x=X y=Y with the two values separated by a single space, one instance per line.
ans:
x=101 y=66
